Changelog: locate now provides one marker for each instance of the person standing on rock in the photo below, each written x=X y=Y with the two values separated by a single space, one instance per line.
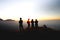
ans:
x=32 y=23
x=20 y=24
x=28 y=22
x=36 y=24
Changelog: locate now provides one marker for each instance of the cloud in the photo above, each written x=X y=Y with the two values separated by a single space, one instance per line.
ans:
x=48 y=5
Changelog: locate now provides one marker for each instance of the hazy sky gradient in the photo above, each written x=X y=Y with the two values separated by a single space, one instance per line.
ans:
x=40 y=9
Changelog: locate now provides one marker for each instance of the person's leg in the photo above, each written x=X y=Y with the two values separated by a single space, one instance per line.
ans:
x=19 y=28
x=22 y=28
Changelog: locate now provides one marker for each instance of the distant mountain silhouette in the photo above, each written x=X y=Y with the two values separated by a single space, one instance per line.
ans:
x=1 y=19
x=8 y=25
x=9 y=20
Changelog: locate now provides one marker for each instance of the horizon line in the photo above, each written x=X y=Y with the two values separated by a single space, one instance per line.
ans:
x=27 y=19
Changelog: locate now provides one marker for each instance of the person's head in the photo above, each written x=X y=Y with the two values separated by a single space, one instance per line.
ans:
x=28 y=19
x=35 y=19
x=32 y=19
x=20 y=18
x=44 y=25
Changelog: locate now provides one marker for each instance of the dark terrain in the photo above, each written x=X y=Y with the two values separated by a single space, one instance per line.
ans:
x=41 y=32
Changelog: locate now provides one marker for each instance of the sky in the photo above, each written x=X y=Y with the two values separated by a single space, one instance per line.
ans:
x=33 y=9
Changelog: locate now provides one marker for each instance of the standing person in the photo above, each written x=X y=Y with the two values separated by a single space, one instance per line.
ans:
x=28 y=22
x=32 y=23
x=20 y=24
x=36 y=23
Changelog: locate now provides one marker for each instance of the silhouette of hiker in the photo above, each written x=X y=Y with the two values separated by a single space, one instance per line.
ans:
x=28 y=22
x=45 y=26
x=20 y=24
x=32 y=23
x=36 y=24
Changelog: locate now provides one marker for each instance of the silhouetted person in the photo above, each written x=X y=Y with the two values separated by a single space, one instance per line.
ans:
x=20 y=24
x=32 y=23
x=36 y=24
x=45 y=27
x=28 y=22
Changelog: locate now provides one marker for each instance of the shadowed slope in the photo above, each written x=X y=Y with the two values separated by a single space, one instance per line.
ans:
x=39 y=29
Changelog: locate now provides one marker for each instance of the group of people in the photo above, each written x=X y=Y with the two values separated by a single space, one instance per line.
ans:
x=32 y=22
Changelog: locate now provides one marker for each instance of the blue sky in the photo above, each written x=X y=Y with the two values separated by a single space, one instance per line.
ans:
x=39 y=9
